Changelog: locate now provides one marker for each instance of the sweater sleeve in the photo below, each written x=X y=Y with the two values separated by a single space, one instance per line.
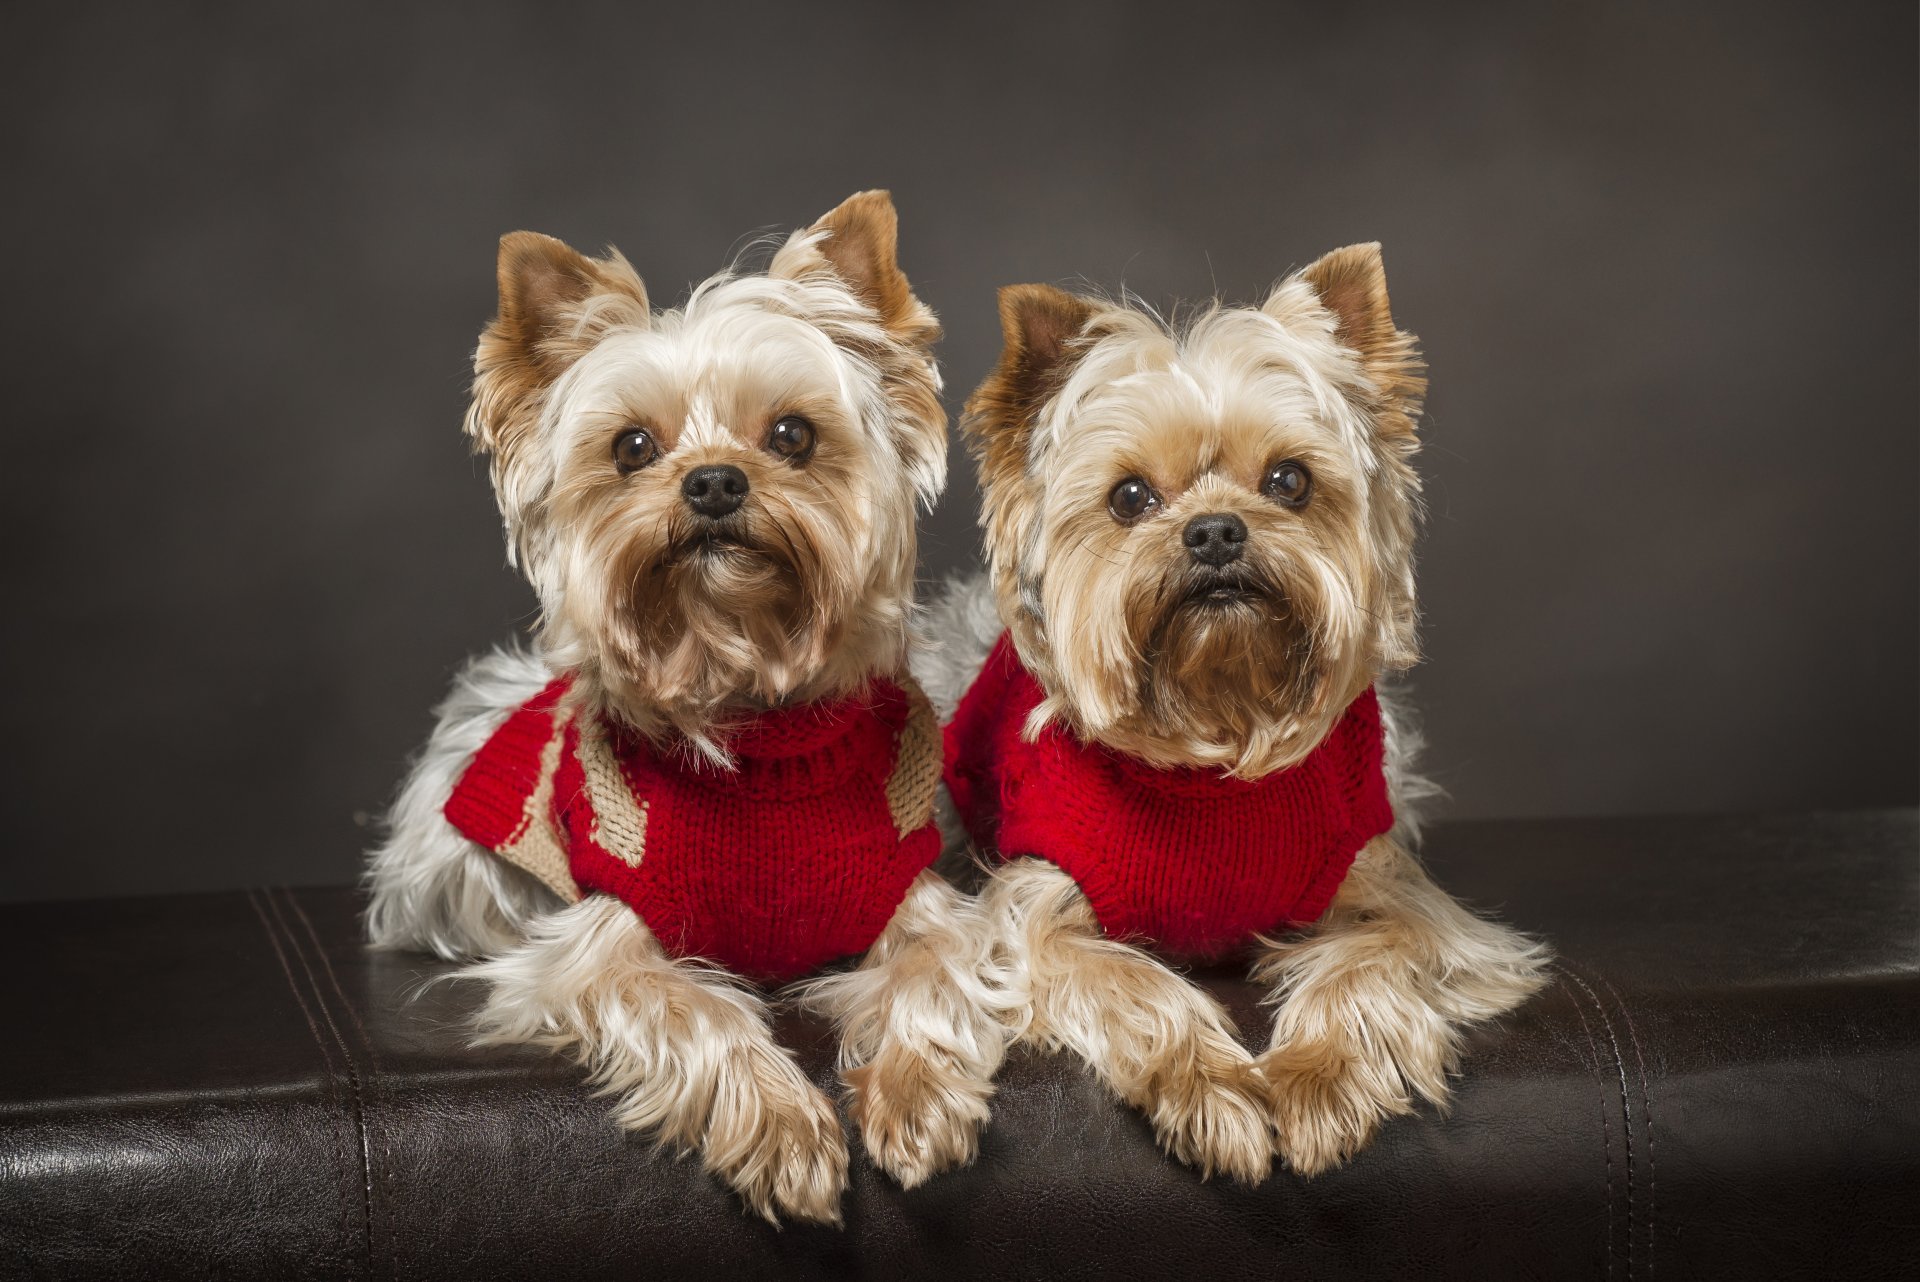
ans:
x=504 y=799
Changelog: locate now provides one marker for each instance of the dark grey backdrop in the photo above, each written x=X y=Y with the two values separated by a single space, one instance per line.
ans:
x=1663 y=261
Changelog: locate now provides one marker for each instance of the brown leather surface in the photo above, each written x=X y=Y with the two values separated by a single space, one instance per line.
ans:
x=1724 y=1080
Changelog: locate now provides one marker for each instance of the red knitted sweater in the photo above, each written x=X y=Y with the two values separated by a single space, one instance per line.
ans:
x=797 y=856
x=1189 y=859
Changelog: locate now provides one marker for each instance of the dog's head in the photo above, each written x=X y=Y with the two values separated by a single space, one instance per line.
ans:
x=1201 y=534
x=715 y=503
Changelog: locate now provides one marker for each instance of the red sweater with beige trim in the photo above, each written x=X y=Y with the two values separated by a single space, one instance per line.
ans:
x=1190 y=860
x=798 y=855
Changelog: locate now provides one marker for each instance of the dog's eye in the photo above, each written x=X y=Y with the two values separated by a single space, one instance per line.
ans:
x=791 y=438
x=633 y=449
x=1289 y=482
x=1132 y=499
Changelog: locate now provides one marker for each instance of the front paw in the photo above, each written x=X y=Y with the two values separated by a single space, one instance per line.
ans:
x=1327 y=1102
x=1214 y=1118
x=919 y=1113
x=783 y=1152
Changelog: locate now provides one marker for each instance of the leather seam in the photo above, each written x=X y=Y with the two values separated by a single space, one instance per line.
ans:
x=358 y=1115
x=1606 y=1130
x=1646 y=1106
x=330 y=1077
x=1626 y=1104
x=374 y=1073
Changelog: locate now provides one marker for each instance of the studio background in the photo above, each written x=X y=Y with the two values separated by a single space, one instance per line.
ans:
x=1662 y=259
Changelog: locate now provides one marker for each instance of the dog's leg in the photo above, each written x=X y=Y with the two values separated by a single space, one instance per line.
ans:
x=1372 y=1000
x=686 y=1051
x=432 y=889
x=1155 y=1040
x=921 y=1032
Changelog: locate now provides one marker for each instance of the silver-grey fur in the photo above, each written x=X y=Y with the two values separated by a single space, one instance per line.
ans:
x=432 y=889
x=961 y=624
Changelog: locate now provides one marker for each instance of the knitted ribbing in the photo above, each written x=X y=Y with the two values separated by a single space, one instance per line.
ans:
x=1188 y=859
x=797 y=855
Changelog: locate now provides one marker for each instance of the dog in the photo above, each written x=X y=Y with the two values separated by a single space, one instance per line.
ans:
x=712 y=774
x=1199 y=537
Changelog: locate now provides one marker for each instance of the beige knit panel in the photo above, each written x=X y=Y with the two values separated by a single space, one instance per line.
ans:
x=536 y=847
x=619 y=821
x=916 y=765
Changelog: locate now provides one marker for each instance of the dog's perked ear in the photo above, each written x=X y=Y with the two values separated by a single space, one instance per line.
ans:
x=1038 y=326
x=544 y=286
x=862 y=245
x=555 y=304
x=1350 y=287
x=1351 y=283
x=858 y=242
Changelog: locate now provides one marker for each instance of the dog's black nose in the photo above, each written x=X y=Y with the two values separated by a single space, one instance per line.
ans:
x=715 y=491
x=1215 y=539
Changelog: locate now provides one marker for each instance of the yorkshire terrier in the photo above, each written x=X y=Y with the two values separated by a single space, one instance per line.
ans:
x=1199 y=538
x=713 y=773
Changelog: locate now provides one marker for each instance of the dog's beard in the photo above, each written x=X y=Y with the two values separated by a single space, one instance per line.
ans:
x=1242 y=668
x=715 y=615
x=1224 y=657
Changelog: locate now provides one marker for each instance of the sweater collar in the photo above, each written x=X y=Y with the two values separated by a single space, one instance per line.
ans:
x=800 y=730
x=1025 y=694
x=794 y=751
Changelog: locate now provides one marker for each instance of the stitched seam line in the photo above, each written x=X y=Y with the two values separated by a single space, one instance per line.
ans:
x=1626 y=1106
x=374 y=1073
x=1606 y=1130
x=1646 y=1106
x=359 y=1116
x=326 y=1058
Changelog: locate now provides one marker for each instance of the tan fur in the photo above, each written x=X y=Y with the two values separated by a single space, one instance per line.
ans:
x=921 y=1033
x=1372 y=1000
x=1088 y=393
x=677 y=627
x=1041 y=326
x=686 y=1051
x=862 y=245
x=812 y=594
x=1108 y=616
x=1153 y=1039
x=555 y=303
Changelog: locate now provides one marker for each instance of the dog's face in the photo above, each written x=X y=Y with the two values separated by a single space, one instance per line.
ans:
x=1201 y=535
x=715 y=504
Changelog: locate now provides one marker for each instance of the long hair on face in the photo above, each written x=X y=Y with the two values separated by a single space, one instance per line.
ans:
x=595 y=409
x=1244 y=665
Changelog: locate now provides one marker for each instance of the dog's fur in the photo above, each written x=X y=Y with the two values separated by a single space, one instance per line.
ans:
x=1108 y=615
x=675 y=632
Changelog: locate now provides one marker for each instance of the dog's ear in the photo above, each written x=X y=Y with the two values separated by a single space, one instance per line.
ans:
x=1351 y=284
x=1040 y=328
x=859 y=241
x=555 y=304
x=1039 y=325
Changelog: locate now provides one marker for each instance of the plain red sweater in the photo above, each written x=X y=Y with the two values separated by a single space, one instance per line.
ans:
x=797 y=856
x=1190 y=860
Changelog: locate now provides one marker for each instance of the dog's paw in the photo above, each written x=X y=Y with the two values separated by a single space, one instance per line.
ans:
x=1327 y=1103
x=784 y=1151
x=919 y=1113
x=1215 y=1119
